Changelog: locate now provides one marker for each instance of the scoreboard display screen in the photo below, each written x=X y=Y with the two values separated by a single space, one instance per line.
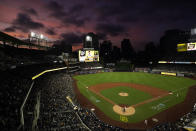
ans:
x=191 y=46
x=182 y=47
x=88 y=55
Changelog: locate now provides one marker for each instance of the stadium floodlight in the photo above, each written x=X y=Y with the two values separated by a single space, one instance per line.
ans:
x=32 y=34
x=41 y=36
x=193 y=31
x=88 y=38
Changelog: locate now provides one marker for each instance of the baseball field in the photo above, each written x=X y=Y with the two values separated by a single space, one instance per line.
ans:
x=132 y=97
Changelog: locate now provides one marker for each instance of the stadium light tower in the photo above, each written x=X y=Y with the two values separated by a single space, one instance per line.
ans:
x=193 y=31
x=41 y=36
x=32 y=34
x=88 y=38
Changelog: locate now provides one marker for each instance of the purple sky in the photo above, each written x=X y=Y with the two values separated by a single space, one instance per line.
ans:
x=139 y=20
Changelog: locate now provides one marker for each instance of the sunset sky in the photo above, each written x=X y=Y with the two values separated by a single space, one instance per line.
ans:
x=139 y=20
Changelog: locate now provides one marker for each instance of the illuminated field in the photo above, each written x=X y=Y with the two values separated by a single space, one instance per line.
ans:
x=168 y=91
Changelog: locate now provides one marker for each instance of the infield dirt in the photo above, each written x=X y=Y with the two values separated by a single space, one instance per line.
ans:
x=155 y=92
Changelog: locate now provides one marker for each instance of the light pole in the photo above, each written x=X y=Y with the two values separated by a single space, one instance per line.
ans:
x=89 y=39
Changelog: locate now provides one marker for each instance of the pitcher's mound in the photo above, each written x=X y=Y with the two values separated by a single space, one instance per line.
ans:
x=123 y=94
x=126 y=111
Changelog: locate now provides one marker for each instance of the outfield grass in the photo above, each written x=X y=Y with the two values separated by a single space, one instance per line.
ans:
x=135 y=96
x=179 y=85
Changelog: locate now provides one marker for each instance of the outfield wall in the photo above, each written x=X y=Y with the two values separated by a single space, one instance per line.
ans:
x=92 y=71
x=165 y=72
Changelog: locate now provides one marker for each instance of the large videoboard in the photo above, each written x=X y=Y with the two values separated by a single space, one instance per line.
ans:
x=88 y=55
x=191 y=46
x=186 y=47
x=182 y=47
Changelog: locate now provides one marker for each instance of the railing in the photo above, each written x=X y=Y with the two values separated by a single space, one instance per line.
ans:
x=21 y=108
x=75 y=108
x=36 y=112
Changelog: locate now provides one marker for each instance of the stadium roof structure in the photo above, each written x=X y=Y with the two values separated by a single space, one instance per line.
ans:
x=5 y=38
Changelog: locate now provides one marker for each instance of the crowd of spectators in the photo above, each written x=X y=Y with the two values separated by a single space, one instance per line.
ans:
x=90 y=119
x=14 y=86
x=179 y=125
x=166 y=127
x=92 y=71
x=56 y=112
x=11 y=57
x=144 y=69
x=181 y=56
x=92 y=65
x=181 y=62
x=183 y=68
x=187 y=118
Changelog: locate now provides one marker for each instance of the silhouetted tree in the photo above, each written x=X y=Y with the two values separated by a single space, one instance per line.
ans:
x=127 y=50
x=62 y=46
x=168 y=42
x=150 y=52
x=106 y=50
x=116 y=54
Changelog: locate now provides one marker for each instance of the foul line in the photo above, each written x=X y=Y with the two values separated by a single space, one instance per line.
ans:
x=150 y=100
x=105 y=98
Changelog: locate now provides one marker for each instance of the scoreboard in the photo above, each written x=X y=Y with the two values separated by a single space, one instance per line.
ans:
x=88 y=55
x=186 y=47
x=191 y=46
x=181 y=47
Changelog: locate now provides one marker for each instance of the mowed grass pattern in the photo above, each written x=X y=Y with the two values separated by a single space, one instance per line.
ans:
x=159 y=81
x=134 y=96
x=179 y=85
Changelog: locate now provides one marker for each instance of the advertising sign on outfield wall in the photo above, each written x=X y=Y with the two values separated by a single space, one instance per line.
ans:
x=168 y=73
x=180 y=74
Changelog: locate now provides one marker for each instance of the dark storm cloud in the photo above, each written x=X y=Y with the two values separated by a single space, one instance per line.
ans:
x=71 y=16
x=70 y=20
x=101 y=36
x=132 y=11
x=76 y=9
x=9 y=29
x=112 y=10
x=50 y=31
x=74 y=16
x=24 y=23
x=56 y=10
x=111 y=29
x=127 y=19
x=29 y=11
x=168 y=11
x=72 y=38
